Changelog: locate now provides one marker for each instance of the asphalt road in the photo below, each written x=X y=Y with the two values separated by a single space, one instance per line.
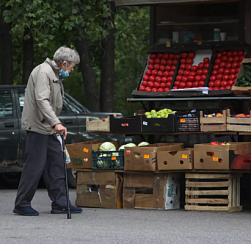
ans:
x=119 y=226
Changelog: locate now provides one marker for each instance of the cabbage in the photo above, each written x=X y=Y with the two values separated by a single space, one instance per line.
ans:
x=122 y=148
x=130 y=145
x=107 y=146
x=143 y=143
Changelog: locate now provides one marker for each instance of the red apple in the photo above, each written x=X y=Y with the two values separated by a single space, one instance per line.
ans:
x=141 y=88
x=148 y=89
x=144 y=83
x=148 y=72
x=160 y=90
x=155 y=72
x=151 y=84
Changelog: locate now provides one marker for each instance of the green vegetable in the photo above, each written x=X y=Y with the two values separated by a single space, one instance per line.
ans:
x=107 y=146
x=143 y=143
x=241 y=75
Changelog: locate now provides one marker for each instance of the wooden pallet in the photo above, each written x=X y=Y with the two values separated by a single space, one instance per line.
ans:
x=97 y=125
x=214 y=123
x=213 y=192
x=238 y=124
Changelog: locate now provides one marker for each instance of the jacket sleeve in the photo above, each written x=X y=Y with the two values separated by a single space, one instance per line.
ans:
x=42 y=95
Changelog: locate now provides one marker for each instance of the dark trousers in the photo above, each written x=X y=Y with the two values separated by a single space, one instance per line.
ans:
x=43 y=156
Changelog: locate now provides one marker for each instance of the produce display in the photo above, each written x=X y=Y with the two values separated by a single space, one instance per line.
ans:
x=214 y=143
x=160 y=71
x=189 y=75
x=225 y=69
x=218 y=115
x=163 y=113
x=244 y=77
x=240 y=115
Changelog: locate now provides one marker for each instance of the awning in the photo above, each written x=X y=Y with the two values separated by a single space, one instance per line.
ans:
x=150 y=2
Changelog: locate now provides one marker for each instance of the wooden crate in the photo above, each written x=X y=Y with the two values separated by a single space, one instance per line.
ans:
x=98 y=125
x=213 y=192
x=214 y=123
x=238 y=124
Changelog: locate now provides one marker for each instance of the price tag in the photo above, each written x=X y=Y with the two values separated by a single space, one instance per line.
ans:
x=215 y=159
x=113 y=158
x=146 y=156
x=145 y=123
x=86 y=150
x=184 y=156
x=182 y=120
x=128 y=152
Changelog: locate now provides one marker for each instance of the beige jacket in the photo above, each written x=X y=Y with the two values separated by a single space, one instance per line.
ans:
x=43 y=99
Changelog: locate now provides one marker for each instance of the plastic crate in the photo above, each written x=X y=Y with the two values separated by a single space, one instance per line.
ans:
x=108 y=160
x=187 y=122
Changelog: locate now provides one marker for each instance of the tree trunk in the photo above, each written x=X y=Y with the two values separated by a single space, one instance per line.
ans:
x=6 y=54
x=89 y=76
x=28 y=56
x=107 y=66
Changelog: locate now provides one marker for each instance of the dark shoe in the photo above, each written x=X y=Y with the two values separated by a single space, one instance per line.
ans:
x=26 y=211
x=64 y=210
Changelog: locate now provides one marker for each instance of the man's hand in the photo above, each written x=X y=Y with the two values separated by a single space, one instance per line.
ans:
x=61 y=130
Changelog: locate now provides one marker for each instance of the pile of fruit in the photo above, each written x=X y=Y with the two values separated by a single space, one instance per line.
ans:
x=163 y=113
x=225 y=70
x=241 y=116
x=189 y=75
x=218 y=115
x=159 y=75
x=215 y=143
x=244 y=78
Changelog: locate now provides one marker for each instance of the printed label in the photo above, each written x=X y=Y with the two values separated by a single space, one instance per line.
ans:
x=113 y=158
x=128 y=152
x=215 y=159
x=184 y=156
x=182 y=120
x=146 y=156
x=145 y=123
x=86 y=150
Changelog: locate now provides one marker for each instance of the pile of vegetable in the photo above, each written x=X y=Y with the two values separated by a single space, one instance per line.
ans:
x=244 y=78
x=163 y=113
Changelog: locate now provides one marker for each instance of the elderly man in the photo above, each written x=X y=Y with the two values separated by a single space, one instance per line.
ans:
x=43 y=155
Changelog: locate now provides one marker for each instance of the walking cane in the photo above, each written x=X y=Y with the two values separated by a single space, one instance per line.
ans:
x=66 y=181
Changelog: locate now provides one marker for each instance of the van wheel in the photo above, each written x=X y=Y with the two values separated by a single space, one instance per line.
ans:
x=71 y=178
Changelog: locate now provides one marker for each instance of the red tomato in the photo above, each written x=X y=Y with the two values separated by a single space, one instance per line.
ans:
x=183 y=66
x=224 y=83
x=222 y=88
x=160 y=90
x=183 y=85
x=234 y=53
x=219 y=77
x=162 y=85
x=158 y=79
x=148 y=89
x=205 y=71
x=187 y=72
x=211 y=84
x=168 y=68
x=151 y=61
x=213 y=78
x=166 y=89
x=241 y=57
x=236 y=59
x=177 y=83
x=150 y=67
x=164 y=80
x=156 y=85
x=191 y=55
x=237 y=70
x=160 y=73
x=190 y=78
x=153 y=56
x=175 y=62
x=146 y=77
x=231 y=82
x=184 y=55
x=206 y=66
x=166 y=73
x=171 y=73
x=234 y=65
x=169 y=62
x=151 y=84
x=217 y=60
x=229 y=53
x=176 y=56
x=189 y=61
x=216 y=88
x=182 y=61
x=173 y=68
x=217 y=83
x=162 y=68
x=226 y=77
x=206 y=60
x=220 y=71
x=194 y=68
x=144 y=83
x=165 y=56
x=163 y=62
x=179 y=77
x=155 y=72
x=156 y=66
x=224 y=58
x=188 y=67
x=218 y=55
x=159 y=55
x=157 y=61
x=154 y=90
x=230 y=59
x=227 y=71
x=210 y=88
x=216 y=66
x=197 y=77
x=171 y=56
x=152 y=78
x=189 y=84
x=192 y=73
x=239 y=64
x=169 y=79
x=168 y=84
x=214 y=72
x=222 y=64
x=236 y=75
x=148 y=72
x=228 y=66
x=196 y=84
x=224 y=52
x=181 y=72
x=200 y=65
x=241 y=53
x=199 y=72
x=203 y=77
x=201 y=83
x=184 y=79
x=175 y=87
x=231 y=77
x=228 y=87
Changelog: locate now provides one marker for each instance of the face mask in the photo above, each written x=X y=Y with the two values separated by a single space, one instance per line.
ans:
x=64 y=73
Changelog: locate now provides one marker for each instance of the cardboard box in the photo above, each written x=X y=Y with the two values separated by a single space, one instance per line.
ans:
x=182 y=159
x=145 y=158
x=225 y=157
x=81 y=153
x=99 y=189
x=151 y=191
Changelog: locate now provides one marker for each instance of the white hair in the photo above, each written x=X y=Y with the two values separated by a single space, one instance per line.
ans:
x=66 y=54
